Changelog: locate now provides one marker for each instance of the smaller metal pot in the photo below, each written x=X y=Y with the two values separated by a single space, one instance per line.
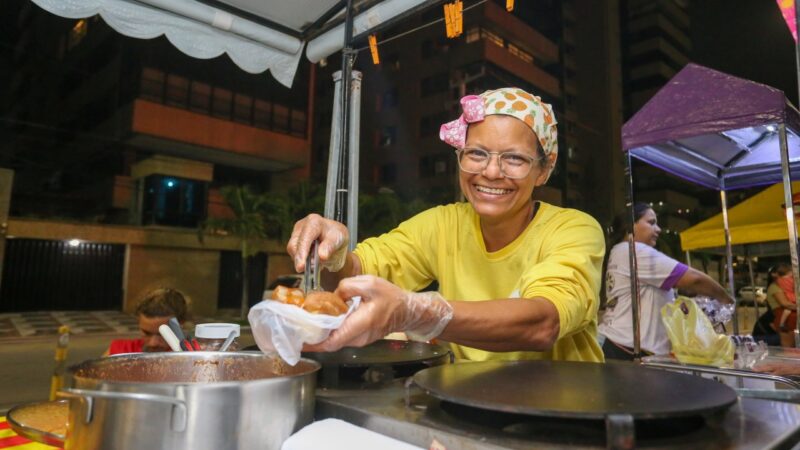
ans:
x=188 y=400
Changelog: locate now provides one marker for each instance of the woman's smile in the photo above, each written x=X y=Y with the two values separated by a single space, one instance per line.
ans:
x=492 y=191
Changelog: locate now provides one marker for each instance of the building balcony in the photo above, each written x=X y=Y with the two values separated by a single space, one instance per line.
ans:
x=178 y=132
x=521 y=33
x=488 y=51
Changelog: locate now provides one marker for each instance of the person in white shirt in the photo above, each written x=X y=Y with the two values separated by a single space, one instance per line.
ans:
x=658 y=276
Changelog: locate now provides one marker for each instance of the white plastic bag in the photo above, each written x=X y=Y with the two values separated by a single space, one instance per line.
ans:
x=279 y=327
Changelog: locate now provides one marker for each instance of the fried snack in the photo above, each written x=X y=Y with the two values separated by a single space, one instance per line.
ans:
x=322 y=302
x=317 y=302
x=291 y=296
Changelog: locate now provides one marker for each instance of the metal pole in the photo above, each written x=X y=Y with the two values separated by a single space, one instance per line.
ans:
x=752 y=282
x=352 y=173
x=347 y=66
x=335 y=152
x=688 y=258
x=729 y=256
x=797 y=44
x=634 y=269
x=790 y=217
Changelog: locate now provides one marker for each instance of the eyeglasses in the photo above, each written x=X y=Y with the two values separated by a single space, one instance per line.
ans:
x=512 y=165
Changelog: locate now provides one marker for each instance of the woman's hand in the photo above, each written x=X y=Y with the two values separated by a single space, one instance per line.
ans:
x=333 y=239
x=386 y=308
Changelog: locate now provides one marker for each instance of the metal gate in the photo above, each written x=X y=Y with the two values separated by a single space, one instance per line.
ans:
x=230 y=279
x=61 y=275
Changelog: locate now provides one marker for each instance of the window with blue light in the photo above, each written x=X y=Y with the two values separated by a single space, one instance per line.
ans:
x=173 y=201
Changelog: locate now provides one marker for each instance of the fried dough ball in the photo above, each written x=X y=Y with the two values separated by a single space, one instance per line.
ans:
x=322 y=302
x=317 y=302
x=291 y=296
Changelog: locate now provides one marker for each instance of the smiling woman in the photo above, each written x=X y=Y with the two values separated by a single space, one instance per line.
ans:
x=518 y=279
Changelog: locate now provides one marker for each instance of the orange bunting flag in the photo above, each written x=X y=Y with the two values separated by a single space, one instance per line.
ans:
x=787 y=10
x=373 y=48
x=509 y=5
x=454 y=18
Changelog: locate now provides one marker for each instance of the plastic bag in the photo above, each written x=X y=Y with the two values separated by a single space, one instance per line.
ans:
x=748 y=351
x=279 y=327
x=718 y=313
x=692 y=335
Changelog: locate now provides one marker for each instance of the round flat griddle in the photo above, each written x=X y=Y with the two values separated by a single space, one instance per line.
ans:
x=381 y=352
x=376 y=364
x=575 y=389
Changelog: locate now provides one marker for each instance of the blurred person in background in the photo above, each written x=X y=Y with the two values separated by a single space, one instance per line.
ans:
x=783 y=306
x=154 y=310
x=763 y=329
x=658 y=275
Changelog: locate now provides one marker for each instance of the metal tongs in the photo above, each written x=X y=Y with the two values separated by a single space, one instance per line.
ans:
x=311 y=274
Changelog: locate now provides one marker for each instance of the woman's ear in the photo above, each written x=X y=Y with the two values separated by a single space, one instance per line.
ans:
x=547 y=169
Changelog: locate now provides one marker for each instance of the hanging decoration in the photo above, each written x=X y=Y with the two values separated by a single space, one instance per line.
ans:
x=509 y=5
x=454 y=18
x=373 y=48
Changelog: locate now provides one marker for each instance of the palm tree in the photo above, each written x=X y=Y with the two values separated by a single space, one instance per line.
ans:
x=248 y=223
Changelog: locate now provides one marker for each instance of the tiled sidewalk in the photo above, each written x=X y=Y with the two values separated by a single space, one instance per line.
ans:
x=46 y=323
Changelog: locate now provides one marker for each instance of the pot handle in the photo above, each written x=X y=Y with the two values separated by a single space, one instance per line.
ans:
x=87 y=395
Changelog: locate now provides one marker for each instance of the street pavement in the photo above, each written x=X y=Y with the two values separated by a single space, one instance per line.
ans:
x=28 y=344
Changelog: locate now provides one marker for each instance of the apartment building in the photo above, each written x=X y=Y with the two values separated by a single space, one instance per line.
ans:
x=124 y=143
x=423 y=74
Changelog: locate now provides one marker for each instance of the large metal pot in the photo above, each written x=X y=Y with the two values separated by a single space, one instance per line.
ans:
x=188 y=400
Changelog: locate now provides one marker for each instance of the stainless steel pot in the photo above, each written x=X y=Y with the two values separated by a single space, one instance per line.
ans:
x=188 y=400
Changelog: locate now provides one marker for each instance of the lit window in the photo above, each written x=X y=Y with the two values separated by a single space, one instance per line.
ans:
x=493 y=38
x=173 y=201
x=221 y=101
x=263 y=111
x=521 y=54
x=242 y=108
x=200 y=97
x=152 y=84
x=177 y=90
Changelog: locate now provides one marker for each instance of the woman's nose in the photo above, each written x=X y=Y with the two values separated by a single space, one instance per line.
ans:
x=492 y=169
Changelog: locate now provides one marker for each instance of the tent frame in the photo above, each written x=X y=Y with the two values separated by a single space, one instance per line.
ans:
x=790 y=223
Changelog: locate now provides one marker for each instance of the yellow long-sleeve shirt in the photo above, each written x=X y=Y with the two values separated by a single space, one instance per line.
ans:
x=559 y=257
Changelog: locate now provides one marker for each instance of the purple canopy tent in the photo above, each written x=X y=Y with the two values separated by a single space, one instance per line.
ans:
x=721 y=132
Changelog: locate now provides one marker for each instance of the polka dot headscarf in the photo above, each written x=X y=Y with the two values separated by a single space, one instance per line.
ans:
x=515 y=102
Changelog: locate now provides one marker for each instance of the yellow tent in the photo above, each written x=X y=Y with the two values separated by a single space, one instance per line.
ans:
x=760 y=218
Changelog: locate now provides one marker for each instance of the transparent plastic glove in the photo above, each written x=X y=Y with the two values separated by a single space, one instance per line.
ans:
x=333 y=237
x=386 y=308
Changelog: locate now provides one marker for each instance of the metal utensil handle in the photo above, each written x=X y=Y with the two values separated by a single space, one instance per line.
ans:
x=310 y=280
x=722 y=371
x=87 y=395
x=228 y=341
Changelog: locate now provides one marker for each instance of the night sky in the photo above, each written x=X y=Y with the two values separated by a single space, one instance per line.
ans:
x=745 y=38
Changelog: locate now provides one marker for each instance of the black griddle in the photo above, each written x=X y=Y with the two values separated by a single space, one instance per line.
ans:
x=376 y=364
x=620 y=394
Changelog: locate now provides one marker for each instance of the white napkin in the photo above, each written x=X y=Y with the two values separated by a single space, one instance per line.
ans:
x=335 y=434
x=285 y=328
